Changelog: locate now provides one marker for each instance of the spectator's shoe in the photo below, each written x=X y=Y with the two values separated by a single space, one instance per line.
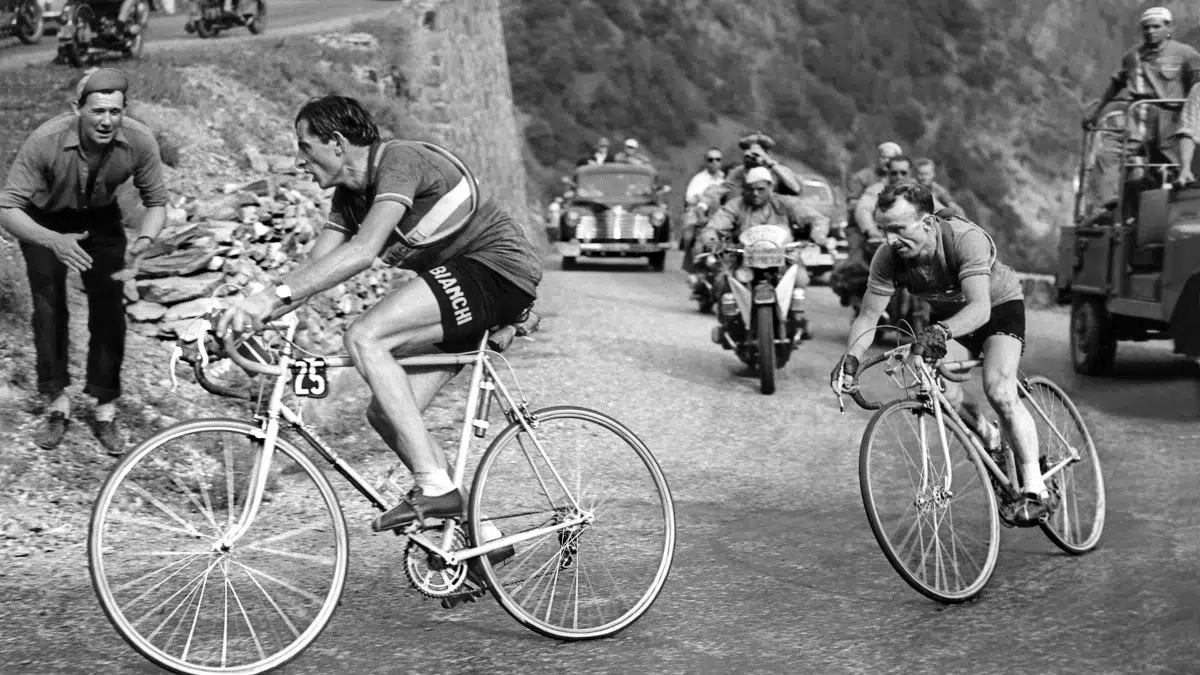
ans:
x=109 y=434
x=417 y=507
x=54 y=427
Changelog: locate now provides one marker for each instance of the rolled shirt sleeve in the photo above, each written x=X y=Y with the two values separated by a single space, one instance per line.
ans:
x=26 y=177
x=973 y=250
x=882 y=272
x=1189 y=119
x=723 y=220
x=148 y=174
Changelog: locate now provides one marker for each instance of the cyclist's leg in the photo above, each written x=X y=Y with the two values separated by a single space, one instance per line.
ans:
x=406 y=321
x=1001 y=361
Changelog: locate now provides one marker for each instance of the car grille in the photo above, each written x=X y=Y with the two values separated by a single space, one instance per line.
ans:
x=623 y=225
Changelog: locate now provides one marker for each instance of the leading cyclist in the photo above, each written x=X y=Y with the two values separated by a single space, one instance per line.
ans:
x=414 y=205
x=976 y=300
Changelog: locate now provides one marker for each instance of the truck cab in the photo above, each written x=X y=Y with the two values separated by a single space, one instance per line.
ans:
x=1131 y=272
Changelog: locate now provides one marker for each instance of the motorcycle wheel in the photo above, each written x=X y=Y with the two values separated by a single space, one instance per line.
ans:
x=258 y=22
x=764 y=327
x=134 y=50
x=30 y=22
x=77 y=49
x=206 y=29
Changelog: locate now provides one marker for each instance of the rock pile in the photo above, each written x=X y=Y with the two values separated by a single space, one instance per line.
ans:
x=241 y=240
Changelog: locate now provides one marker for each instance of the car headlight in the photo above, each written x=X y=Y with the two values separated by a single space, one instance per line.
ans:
x=744 y=275
x=571 y=218
x=657 y=218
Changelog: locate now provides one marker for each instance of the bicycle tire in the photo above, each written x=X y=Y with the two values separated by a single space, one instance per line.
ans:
x=481 y=501
x=100 y=546
x=870 y=499
x=1055 y=526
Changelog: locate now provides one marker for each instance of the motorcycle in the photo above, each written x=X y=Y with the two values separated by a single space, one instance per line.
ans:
x=701 y=279
x=92 y=31
x=207 y=18
x=22 y=19
x=761 y=317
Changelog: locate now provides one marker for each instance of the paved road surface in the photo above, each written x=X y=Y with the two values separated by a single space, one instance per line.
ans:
x=776 y=569
x=284 y=17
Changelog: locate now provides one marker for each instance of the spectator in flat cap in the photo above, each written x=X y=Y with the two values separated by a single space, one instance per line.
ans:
x=60 y=201
x=756 y=152
x=631 y=153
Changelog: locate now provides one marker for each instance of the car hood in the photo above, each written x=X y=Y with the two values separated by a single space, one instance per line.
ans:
x=639 y=205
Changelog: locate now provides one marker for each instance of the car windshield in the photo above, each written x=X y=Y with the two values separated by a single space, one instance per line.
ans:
x=615 y=186
x=817 y=192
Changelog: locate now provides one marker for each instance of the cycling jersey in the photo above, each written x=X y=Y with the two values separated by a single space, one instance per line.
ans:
x=973 y=254
x=445 y=217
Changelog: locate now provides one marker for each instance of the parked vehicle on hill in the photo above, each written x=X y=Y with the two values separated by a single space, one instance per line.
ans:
x=91 y=32
x=207 y=18
x=22 y=19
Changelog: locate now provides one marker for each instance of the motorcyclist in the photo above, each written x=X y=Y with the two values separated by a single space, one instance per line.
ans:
x=869 y=176
x=756 y=152
x=760 y=205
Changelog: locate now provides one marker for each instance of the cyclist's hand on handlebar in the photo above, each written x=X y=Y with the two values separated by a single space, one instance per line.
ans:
x=245 y=315
x=844 y=378
x=931 y=344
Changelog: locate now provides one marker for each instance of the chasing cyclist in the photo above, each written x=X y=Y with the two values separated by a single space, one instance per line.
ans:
x=412 y=205
x=976 y=300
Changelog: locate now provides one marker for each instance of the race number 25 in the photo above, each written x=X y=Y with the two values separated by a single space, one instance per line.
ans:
x=310 y=379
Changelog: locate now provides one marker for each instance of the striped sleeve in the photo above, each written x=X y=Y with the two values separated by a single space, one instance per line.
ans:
x=337 y=220
x=400 y=176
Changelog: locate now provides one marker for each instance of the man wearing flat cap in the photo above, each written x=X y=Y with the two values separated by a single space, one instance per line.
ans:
x=1158 y=68
x=756 y=152
x=60 y=201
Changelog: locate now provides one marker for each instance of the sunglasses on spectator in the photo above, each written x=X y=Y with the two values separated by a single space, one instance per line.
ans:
x=898 y=173
x=713 y=159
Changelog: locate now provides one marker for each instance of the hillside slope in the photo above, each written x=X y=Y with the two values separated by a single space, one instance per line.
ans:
x=992 y=89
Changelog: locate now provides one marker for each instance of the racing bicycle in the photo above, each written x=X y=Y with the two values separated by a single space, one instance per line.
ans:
x=932 y=488
x=218 y=546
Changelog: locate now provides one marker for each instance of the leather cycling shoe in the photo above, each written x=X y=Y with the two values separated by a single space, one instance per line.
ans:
x=417 y=506
x=1030 y=509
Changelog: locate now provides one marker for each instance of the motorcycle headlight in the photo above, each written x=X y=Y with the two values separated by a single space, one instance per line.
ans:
x=571 y=218
x=657 y=218
x=744 y=275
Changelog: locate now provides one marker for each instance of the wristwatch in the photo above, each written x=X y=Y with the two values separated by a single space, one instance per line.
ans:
x=284 y=293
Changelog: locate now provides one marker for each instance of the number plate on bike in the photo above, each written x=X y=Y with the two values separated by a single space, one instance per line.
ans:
x=311 y=380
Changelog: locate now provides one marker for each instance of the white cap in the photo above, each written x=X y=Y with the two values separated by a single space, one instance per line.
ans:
x=1153 y=13
x=631 y=143
x=890 y=149
x=759 y=174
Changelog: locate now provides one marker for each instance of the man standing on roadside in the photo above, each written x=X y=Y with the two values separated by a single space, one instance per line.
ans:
x=60 y=201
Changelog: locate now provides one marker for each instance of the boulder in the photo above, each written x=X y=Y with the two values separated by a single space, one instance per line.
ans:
x=130 y=291
x=179 y=263
x=221 y=230
x=220 y=209
x=190 y=309
x=145 y=311
x=258 y=163
x=172 y=290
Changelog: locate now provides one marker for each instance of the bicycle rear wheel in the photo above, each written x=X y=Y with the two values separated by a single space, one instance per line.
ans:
x=584 y=581
x=1077 y=524
x=943 y=543
x=183 y=602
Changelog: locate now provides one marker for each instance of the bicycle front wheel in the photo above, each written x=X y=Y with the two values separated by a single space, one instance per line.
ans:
x=575 y=580
x=183 y=601
x=1077 y=524
x=942 y=536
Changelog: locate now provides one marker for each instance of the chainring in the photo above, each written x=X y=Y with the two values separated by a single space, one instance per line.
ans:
x=428 y=573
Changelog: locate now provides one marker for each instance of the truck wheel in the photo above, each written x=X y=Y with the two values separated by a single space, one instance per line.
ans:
x=1093 y=342
x=658 y=261
x=568 y=262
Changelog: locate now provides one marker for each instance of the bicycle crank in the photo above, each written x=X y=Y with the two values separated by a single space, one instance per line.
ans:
x=428 y=572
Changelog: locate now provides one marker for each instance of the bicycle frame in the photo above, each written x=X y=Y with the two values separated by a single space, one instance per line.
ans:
x=276 y=409
x=932 y=390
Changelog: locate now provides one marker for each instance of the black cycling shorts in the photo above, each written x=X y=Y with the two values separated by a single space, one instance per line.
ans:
x=1008 y=318
x=473 y=298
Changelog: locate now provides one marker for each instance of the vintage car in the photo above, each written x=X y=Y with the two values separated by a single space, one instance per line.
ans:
x=614 y=209
x=1133 y=272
